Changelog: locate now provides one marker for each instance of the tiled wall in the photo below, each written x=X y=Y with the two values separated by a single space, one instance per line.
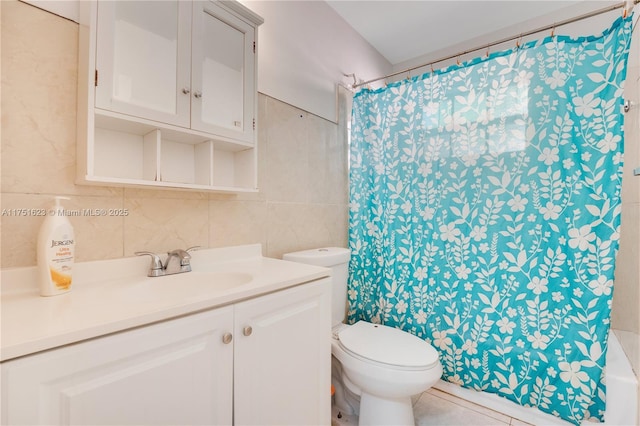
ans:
x=302 y=166
x=625 y=314
x=626 y=293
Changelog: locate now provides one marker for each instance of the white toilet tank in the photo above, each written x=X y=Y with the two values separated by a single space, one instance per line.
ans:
x=336 y=258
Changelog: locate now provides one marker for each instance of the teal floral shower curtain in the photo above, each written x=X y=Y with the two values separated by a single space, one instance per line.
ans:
x=485 y=212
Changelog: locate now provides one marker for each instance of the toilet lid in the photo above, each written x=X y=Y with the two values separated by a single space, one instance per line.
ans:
x=387 y=345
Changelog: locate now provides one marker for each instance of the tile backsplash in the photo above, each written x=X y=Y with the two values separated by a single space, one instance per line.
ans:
x=302 y=202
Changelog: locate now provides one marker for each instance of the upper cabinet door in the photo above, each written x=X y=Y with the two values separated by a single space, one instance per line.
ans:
x=223 y=80
x=143 y=59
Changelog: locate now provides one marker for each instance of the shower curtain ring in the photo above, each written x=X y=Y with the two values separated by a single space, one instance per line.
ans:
x=353 y=75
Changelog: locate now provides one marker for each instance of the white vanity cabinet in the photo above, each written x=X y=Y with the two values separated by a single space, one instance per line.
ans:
x=175 y=372
x=261 y=361
x=167 y=94
x=283 y=358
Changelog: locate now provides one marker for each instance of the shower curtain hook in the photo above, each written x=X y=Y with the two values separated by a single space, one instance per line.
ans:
x=458 y=60
x=553 y=30
x=488 y=46
x=353 y=75
x=628 y=7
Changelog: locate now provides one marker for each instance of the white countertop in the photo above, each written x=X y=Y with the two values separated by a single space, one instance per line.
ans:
x=114 y=295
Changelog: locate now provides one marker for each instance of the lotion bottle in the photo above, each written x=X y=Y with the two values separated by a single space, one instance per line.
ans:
x=56 y=244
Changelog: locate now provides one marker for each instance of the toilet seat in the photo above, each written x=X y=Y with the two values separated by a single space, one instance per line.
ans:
x=387 y=345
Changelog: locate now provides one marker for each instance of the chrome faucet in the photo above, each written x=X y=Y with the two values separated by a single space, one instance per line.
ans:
x=177 y=262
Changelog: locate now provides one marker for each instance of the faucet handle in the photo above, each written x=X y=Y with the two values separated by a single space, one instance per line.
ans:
x=156 y=268
x=194 y=248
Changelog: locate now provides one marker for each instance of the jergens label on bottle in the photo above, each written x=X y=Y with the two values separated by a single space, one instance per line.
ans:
x=61 y=266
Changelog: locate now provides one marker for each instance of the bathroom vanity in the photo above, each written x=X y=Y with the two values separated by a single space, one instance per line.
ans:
x=242 y=339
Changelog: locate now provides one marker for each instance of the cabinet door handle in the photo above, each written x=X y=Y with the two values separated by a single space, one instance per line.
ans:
x=227 y=338
x=247 y=330
x=186 y=91
x=198 y=95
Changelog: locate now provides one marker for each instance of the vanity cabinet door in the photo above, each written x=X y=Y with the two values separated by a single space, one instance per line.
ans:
x=223 y=79
x=174 y=372
x=283 y=357
x=143 y=59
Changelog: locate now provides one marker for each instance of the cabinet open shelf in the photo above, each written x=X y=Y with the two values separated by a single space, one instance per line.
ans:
x=138 y=153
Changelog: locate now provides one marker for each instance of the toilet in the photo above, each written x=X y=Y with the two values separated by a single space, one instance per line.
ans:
x=381 y=366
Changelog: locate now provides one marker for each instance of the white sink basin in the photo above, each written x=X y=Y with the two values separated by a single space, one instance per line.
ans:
x=187 y=284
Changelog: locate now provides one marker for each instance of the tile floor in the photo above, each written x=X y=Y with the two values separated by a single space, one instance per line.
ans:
x=438 y=408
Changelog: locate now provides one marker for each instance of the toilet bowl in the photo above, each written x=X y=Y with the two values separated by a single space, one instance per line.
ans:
x=385 y=367
x=382 y=365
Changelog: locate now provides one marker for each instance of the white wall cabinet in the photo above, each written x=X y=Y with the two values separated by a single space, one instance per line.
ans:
x=274 y=370
x=167 y=94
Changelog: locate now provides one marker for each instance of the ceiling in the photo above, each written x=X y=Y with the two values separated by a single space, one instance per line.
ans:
x=403 y=31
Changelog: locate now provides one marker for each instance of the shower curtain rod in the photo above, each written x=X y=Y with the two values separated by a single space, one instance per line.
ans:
x=628 y=4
